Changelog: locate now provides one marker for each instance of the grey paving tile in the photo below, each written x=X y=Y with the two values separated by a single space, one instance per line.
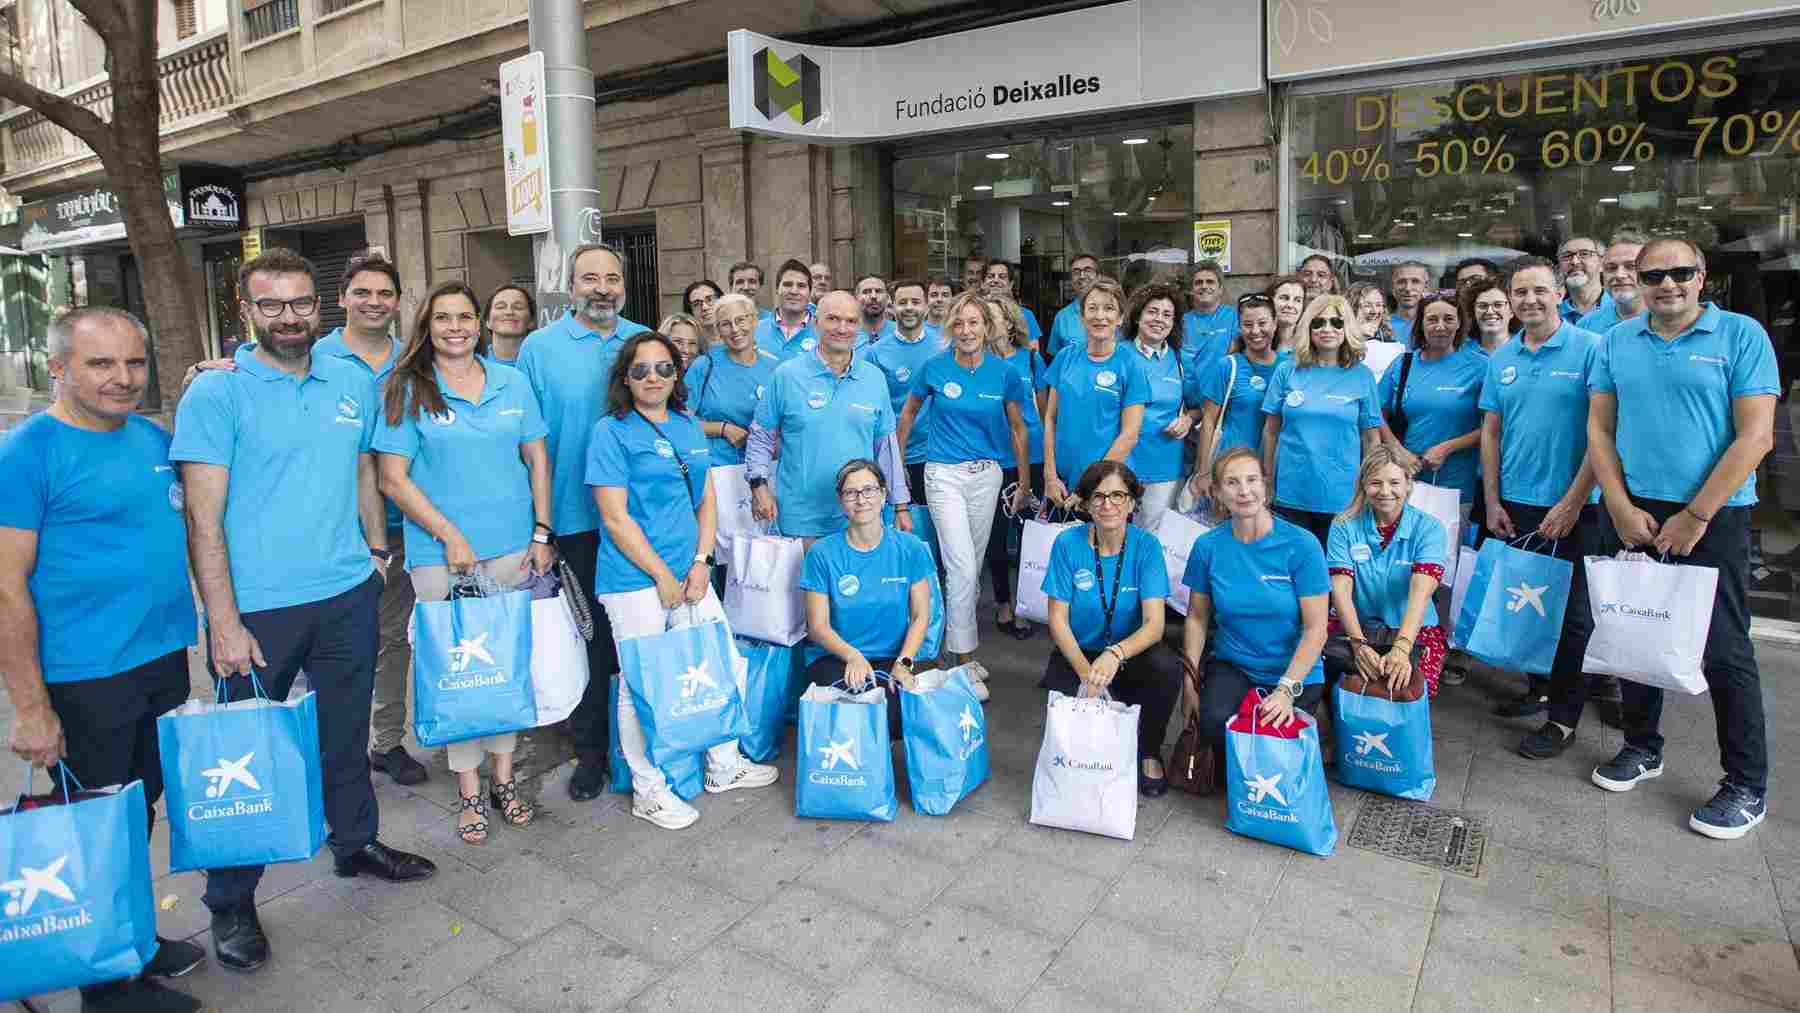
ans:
x=308 y=924
x=521 y=897
x=1028 y=892
x=503 y=843
x=1758 y=965
x=1088 y=853
x=972 y=953
x=179 y=911
x=1007 y=793
x=566 y=969
x=419 y=956
x=1536 y=942
x=289 y=989
x=752 y=982
x=1293 y=974
x=607 y=845
x=1517 y=877
x=664 y=915
x=383 y=901
x=1643 y=826
x=1553 y=822
x=1640 y=990
x=1191 y=911
x=1202 y=847
x=878 y=988
x=1116 y=961
x=1454 y=983
x=1700 y=890
x=1395 y=933
x=960 y=837
x=879 y=875
x=818 y=935
x=467 y=999
x=1368 y=873
x=1786 y=874
x=755 y=856
x=1052 y=996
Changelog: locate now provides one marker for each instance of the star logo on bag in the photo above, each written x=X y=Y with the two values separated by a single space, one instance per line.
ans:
x=228 y=773
x=969 y=724
x=1264 y=787
x=1367 y=742
x=23 y=892
x=1528 y=594
x=467 y=650
x=840 y=752
x=695 y=679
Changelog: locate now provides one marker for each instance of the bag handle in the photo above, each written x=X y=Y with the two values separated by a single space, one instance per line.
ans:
x=62 y=769
x=1525 y=540
x=222 y=694
x=693 y=618
x=876 y=676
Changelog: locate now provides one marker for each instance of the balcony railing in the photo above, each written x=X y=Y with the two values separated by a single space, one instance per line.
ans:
x=270 y=17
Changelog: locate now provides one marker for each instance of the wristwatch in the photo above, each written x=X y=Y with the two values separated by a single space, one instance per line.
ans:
x=908 y=662
x=758 y=482
x=700 y=557
x=1292 y=689
x=382 y=554
x=541 y=537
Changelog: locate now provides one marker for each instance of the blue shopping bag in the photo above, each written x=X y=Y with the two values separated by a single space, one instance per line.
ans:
x=1384 y=745
x=683 y=683
x=807 y=652
x=472 y=668
x=242 y=781
x=845 y=770
x=768 y=681
x=1512 y=612
x=946 y=740
x=1275 y=785
x=75 y=901
x=685 y=774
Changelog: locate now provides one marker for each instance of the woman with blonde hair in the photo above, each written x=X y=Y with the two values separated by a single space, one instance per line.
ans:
x=1371 y=307
x=1098 y=394
x=1009 y=344
x=687 y=334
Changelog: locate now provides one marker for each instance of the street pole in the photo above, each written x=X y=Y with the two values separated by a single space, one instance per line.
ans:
x=557 y=31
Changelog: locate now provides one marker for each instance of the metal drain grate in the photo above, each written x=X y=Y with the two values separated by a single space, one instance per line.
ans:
x=1447 y=839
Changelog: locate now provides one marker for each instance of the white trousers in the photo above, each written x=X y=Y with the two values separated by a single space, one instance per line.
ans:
x=962 y=501
x=1159 y=499
x=640 y=614
x=432 y=583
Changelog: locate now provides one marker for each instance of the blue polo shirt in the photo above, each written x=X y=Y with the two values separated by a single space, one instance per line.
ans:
x=1066 y=330
x=1090 y=398
x=1402 y=329
x=721 y=389
x=1675 y=397
x=1323 y=411
x=466 y=462
x=1242 y=425
x=1604 y=318
x=822 y=420
x=1159 y=457
x=869 y=591
x=1441 y=403
x=293 y=445
x=110 y=580
x=1574 y=316
x=1382 y=575
x=1205 y=336
x=1075 y=573
x=969 y=408
x=1542 y=401
x=333 y=344
x=1256 y=591
x=1037 y=332
x=864 y=339
x=626 y=453
x=1030 y=366
x=569 y=367
x=770 y=339
x=900 y=361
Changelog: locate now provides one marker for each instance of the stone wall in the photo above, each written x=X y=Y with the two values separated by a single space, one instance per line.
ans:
x=1235 y=177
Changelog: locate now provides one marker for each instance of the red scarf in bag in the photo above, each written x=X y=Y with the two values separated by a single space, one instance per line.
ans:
x=1247 y=721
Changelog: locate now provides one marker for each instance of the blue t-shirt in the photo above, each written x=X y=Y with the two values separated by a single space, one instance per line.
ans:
x=1571 y=315
x=1242 y=425
x=1032 y=327
x=333 y=344
x=1674 y=419
x=1541 y=398
x=1402 y=329
x=291 y=523
x=899 y=361
x=869 y=591
x=1206 y=336
x=626 y=453
x=466 y=462
x=1090 y=399
x=110 y=582
x=770 y=339
x=1030 y=366
x=1323 y=411
x=1382 y=575
x=822 y=421
x=969 y=420
x=1441 y=403
x=1604 y=318
x=866 y=339
x=1076 y=574
x=569 y=368
x=1159 y=457
x=1256 y=591
x=721 y=389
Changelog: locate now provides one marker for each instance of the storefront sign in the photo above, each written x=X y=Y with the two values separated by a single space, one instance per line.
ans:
x=212 y=197
x=196 y=195
x=1313 y=38
x=526 y=144
x=252 y=244
x=1212 y=241
x=1119 y=56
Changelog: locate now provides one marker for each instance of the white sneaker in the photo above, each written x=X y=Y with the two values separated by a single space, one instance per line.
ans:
x=981 y=691
x=977 y=672
x=744 y=775
x=665 y=809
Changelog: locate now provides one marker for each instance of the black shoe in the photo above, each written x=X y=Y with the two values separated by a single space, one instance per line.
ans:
x=378 y=860
x=1152 y=787
x=588 y=780
x=398 y=764
x=1022 y=629
x=135 y=996
x=1532 y=701
x=238 y=940
x=174 y=958
x=1547 y=742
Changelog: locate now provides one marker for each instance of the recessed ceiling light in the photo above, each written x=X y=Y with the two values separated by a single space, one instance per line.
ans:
x=1706 y=207
x=1465 y=235
x=998 y=156
x=1119 y=214
x=1365 y=235
x=1523 y=186
x=1137 y=140
x=1559 y=216
x=1151 y=197
x=1059 y=203
x=1624 y=167
x=1609 y=200
x=1341 y=201
x=982 y=187
x=1405 y=225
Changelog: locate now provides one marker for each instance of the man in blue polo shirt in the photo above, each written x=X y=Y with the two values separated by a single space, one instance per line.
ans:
x=1618 y=272
x=900 y=356
x=872 y=299
x=1409 y=279
x=997 y=280
x=287 y=536
x=1579 y=260
x=1682 y=409
x=1066 y=329
x=1209 y=325
x=569 y=365
x=789 y=331
x=746 y=279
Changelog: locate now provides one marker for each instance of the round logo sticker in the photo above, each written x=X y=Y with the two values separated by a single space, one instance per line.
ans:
x=953 y=390
x=1360 y=552
x=849 y=585
x=1084 y=580
x=1295 y=398
x=1509 y=374
x=808 y=345
x=177 y=497
x=815 y=400
x=1106 y=378
x=903 y=374
x=759 y=392
x=348 y=408
x=664 y=448
x=445 y=417
x=1258 y=383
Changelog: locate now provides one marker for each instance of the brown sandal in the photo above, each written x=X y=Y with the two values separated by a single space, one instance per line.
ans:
x=476 y=832
x=505 y=797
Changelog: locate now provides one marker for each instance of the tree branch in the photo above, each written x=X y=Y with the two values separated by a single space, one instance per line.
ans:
x=76 y=119
x=104 y=15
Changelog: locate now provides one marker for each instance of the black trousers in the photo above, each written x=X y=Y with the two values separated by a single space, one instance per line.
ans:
x=828 y=669
x=999 y=564
x=1151 y=681
x=1317 y=523
x=1222 y=692
x=590 y=723
x=109 y=724
x=1566 y=685
x=335 y=642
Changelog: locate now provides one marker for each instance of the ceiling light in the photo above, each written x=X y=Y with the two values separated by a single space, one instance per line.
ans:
x=1623 y=167
x=1705 y=207
x=1523 y=186
x=1465 y=235
x=1137 y=140
x=1059 y=203
x=1559 y=216
x=1609 y=200
x=1365 y=235
x=1404 y=225
x=1341 y=201
x=982 y=187
x=1119 y=214
x=998 y=156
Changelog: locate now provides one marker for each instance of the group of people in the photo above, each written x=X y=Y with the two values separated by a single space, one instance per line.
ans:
x=304 y=468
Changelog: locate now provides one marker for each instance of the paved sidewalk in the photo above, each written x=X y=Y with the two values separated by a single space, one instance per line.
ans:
x=1586 y=901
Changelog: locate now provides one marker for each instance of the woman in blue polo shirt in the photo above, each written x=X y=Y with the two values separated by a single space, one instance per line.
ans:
x=1263 y=578
x=1231 y=392
x=1321 y=415
x=1010 y=345
x=647 y=465
x=1107 y=587
x=1097 y=396
x=1160 y=458
x=461 y=453
x=868 y=592
x=1434 y=424
x=1386 y=559
x=729 y=378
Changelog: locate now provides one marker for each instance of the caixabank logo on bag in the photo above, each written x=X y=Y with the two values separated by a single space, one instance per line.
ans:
x=223 y=802
x=787 y=87
x=1625 y=608
x=700 y=692
x=31 y=910
x=844 y=763
x=464 y=673
x=1367 y=750
x=1260 y=792
x=1063 y=761
x=970 y=726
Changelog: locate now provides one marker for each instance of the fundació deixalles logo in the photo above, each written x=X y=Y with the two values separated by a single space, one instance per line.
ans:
x=786 y=86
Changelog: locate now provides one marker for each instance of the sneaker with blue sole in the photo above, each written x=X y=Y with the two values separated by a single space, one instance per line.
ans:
x=1731 y=814
x=1624 y=771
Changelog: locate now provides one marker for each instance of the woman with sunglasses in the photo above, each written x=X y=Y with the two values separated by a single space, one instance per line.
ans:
x=1231 y=391
x=1008 y=346
x=1434 y=424
x=1321 y=415
x=1487 y=313
x=460 y=450
x=728 y=379
x=1107 y=587
x=1097 y=396
x=1160 y=457
x=699 y=300
x=510 y=315
x=1288 y=295
x=647 y=463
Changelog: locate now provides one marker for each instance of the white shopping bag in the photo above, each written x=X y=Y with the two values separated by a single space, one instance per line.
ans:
x=1445 y=504
x=1087 y=768
x=731 y=496
x=1650 y=620
x=763 y=599
x=1177 y=532
x=1379 y=355
x=1465 y=568
x=1029 y=600
x=559 y=664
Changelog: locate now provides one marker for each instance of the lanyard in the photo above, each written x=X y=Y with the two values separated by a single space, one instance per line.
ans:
x=679 y=463
x=1107 y=605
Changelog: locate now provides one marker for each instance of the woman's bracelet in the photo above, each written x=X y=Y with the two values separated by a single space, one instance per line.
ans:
x=1116 y=651
x=1691 y=513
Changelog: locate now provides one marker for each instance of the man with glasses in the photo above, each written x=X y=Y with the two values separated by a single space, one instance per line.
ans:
x=1682 y=409
x=1579 y=260
x=1470 y=270
x=791 y=330
x=1209 y=325
x=1618 y=272
x=1409 y=279
x=1067 y=329
x=287 y=540
x=997 y=281
x=821 y=280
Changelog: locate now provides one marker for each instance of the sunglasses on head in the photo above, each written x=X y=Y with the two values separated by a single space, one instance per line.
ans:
x=1654 y=276
x=1335 y=323
x=1255 y=299
x=641 y=370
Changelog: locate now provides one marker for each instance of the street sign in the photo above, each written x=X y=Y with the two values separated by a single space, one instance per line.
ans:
x=526 y=144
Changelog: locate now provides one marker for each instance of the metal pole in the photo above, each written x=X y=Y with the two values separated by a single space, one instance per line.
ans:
x=556 y=29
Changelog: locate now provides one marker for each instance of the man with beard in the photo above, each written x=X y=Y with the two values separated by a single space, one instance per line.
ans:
x=569 y=364
x=900 y=354
x=288 y=543
x=1408 y=279
x=790 y=331
x=93 y=589
x=938 y=293
x=1579 y=260
x=1067 y=329
x=1618 y=272
x=1209 y=325
x=997 y=279
x=1470 y=270
x=872 y=299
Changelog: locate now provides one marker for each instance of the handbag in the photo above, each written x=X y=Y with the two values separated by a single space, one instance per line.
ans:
x=686 y=775
x=1342 y=653
x=1176 y=533
x=559 y=664
x=1512 y=613
x=763 y=598
x=1397 y=410
x=1384 y=743
x=1035 y=543
x=576 y=596
x=1194 y=764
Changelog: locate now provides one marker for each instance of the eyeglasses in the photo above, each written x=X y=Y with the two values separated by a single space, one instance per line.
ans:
x=1254 y=299
x=1335 y=323
x=1117 y=498
x=1654 y=276
x=302 y=306
x=1579 y=255
x=867 y=492
x=641 y=370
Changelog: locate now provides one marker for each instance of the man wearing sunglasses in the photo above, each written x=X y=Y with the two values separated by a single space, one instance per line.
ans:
x=1579 y=260
x=1682 y=410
